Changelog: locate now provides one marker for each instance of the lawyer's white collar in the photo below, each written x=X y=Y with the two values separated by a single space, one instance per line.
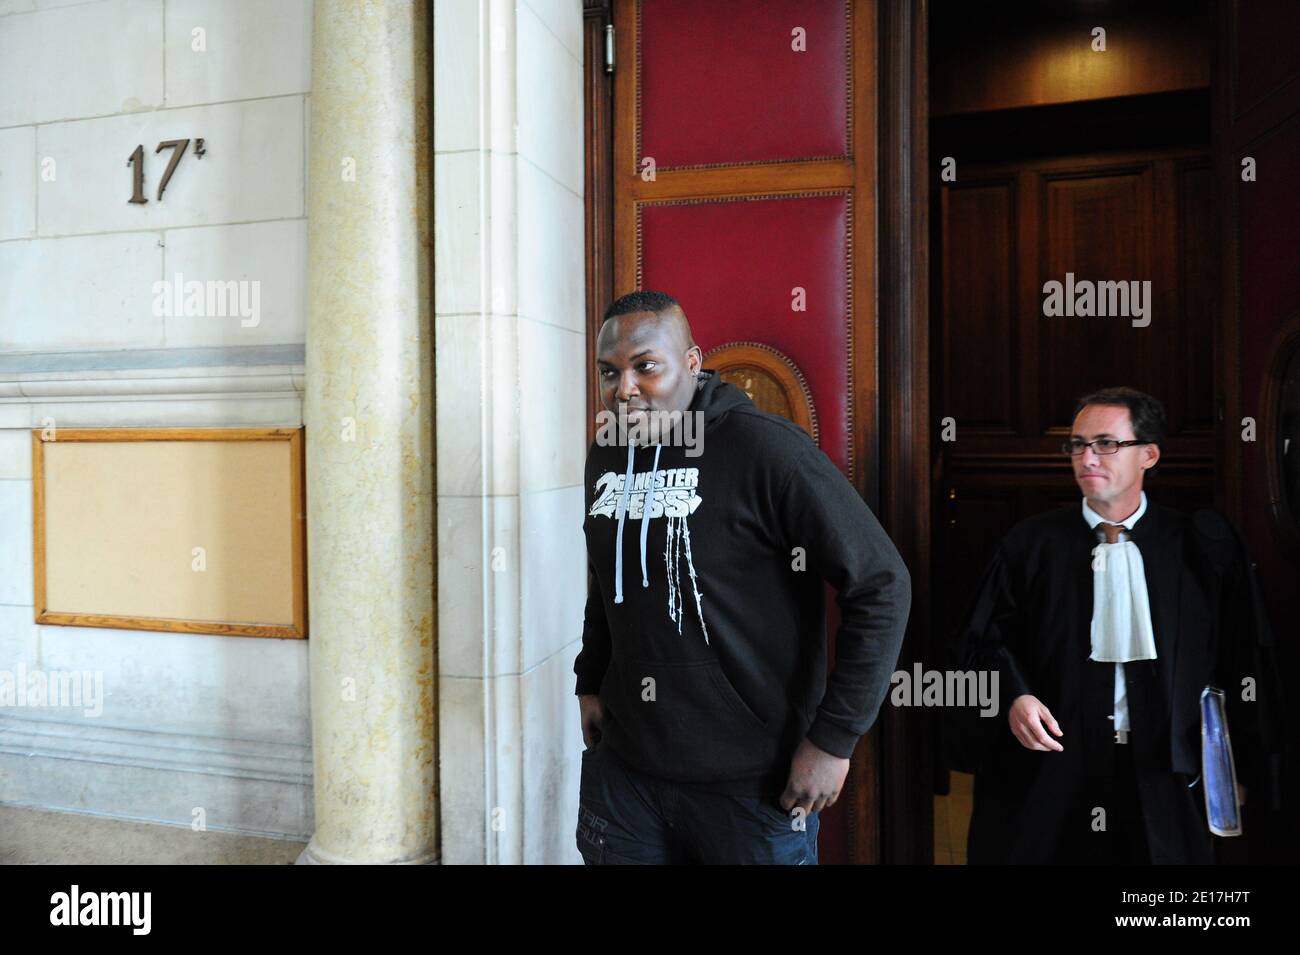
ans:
x=1093 y=518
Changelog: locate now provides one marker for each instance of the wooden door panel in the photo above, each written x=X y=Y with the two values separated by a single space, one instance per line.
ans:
x=979 y=298
x=722 y=83
x=737 y=265
x=1096 y=227
x=1266 y=54
x=1198 y=288
x=1011 y=374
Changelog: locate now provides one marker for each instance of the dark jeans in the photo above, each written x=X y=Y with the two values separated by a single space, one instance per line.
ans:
x=628 y=818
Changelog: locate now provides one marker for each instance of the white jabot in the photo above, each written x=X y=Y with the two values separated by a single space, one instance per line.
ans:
x=1121 y=610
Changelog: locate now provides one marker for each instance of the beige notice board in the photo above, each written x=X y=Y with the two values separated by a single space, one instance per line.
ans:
x=201 y=530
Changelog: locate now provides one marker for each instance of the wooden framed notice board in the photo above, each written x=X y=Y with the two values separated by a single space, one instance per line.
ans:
x=197 y=530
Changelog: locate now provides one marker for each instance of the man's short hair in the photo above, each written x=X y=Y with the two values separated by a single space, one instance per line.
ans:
x=640 y=301
x=1146 y=412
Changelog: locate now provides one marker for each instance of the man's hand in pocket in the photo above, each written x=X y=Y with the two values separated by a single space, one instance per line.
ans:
x=593 y=716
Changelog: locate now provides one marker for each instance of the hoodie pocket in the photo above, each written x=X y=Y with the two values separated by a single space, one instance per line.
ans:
x=733 y=697
x=693 y=727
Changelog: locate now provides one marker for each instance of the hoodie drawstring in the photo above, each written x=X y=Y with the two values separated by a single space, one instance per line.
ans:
x=677 y=533
x=622 y=510
x=645 y=513
x=645 y=520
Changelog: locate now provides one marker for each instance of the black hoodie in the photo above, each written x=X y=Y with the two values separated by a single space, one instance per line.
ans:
x=711 y=663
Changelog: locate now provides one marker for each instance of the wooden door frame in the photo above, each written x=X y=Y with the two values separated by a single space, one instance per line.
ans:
x=908 y=735
x=893 y=821
x=598 y=197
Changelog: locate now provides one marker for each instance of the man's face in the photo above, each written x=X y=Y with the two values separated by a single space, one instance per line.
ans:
x=1104 y=478
x=646 y=361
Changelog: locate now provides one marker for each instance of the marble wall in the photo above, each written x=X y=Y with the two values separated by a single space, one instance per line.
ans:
x=188 y=721
x=223 y=723
x=510 y=379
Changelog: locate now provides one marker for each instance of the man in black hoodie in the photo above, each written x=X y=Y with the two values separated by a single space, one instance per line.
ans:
x=713 y=732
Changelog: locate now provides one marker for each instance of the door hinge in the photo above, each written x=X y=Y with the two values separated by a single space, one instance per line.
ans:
x=609 y=48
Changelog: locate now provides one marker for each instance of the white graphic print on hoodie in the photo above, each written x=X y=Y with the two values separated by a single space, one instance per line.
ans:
x=674 y=495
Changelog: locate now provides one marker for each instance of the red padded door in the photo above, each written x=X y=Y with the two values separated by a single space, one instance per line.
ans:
x=743 y=177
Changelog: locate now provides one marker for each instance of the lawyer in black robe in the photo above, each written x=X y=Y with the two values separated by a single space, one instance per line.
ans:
x=1031 y=624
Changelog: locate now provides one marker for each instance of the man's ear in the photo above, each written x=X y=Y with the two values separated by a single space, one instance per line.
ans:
x=1152 y=455
x=694 y=360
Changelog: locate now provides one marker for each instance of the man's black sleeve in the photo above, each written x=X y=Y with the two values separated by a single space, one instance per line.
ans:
x=987 y=644
x=593 y=660
x=822 y=512
x=994 y=631
x=1246 y=670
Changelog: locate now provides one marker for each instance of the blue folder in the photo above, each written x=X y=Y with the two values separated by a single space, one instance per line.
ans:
x=1222 y=800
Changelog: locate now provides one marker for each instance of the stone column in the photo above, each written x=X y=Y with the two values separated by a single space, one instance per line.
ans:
x=370 y=454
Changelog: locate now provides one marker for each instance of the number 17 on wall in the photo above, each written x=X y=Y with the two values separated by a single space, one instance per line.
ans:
x=136 y=162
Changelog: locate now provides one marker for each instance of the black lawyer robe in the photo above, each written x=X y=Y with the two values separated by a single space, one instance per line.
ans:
x=1030 y=623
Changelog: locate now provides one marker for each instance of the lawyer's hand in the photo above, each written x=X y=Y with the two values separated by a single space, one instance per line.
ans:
x=593 y=715
x=1028 y=717
x=816 y=778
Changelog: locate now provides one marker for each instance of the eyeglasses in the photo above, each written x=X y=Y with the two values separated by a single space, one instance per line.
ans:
x=1100 y=446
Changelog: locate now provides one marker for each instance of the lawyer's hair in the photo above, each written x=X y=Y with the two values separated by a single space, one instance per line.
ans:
x=1145 y=411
